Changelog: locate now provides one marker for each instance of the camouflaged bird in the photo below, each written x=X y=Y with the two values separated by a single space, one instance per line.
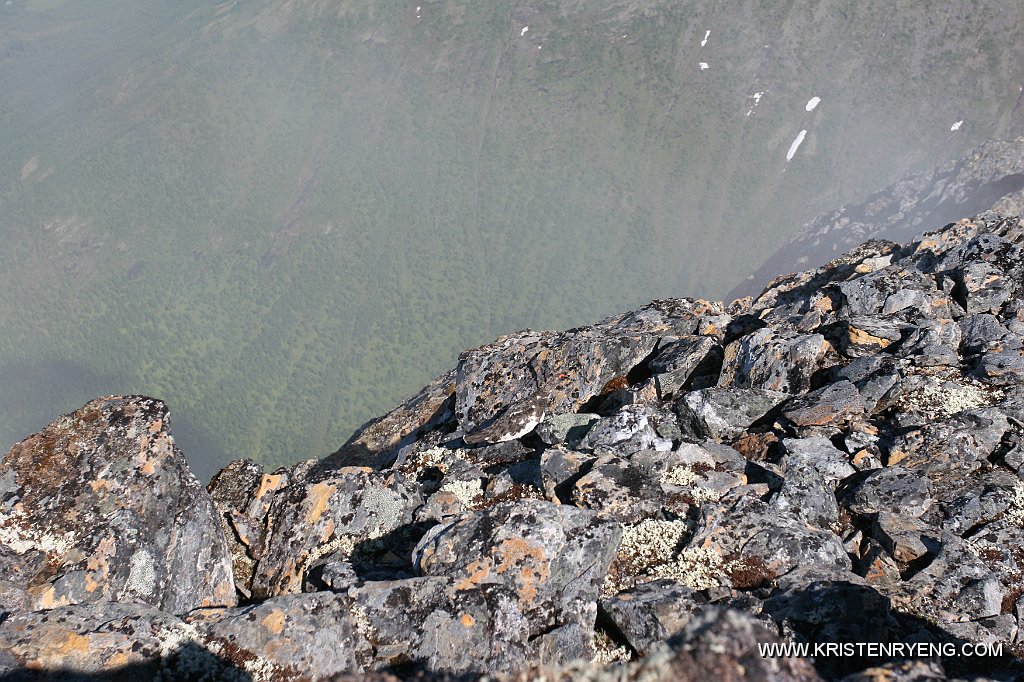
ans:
x=515 y=422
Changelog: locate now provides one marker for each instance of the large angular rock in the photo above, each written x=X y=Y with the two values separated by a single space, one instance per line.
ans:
x=889 y=489
x=548 y=559
x=775 y=360
x=316 y=518
x=377 y=443
x=287 y=637
x=566 y=368
x=101 y=506
x=652 y=612
x=723 y=414
x=769 y=540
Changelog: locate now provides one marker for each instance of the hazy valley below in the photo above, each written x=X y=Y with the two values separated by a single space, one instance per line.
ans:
x=283 y=217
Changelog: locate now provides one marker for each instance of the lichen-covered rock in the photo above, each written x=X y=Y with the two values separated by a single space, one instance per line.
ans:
x=652 y=612
x=828 y=405
x=548 y=559
x=890 y=489
x=840 y=460
x=101 y=505
x=768 y=540
x=377 y=443
x=681 y=361
x=110 y=641
x=314 y=518
x=568 y=368
x=724 y=413
x=775 y=360
x=287 y=637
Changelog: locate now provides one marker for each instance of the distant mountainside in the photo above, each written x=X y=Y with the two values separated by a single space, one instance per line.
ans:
x=990 y=178
x=282 y=216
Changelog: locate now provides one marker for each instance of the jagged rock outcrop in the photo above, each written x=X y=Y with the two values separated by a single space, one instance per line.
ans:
x=101 y=506
x=837 y=462
x=989 y=178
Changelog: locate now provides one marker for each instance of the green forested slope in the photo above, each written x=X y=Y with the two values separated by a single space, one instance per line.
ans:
x=283 y=216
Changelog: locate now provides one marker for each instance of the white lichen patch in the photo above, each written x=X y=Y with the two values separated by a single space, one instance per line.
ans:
x=19 y=533
x=702 y=494
x=361 y=623
x=699 y=568
x=142 y=573
x=434 y=458
x=681 y=475
x=934 y=398
x=607 y=652
x=644 y=547
x=343 y=546
x=1015 y=512
x=467 y=493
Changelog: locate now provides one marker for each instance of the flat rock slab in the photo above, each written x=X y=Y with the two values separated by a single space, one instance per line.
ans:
x=102 y=506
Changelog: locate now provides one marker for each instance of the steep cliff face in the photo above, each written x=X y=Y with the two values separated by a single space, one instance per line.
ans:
x=990 y=178
x=838 y=462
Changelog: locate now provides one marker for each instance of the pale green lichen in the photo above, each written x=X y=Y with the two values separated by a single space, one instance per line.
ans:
x=681 y=475
x=385 y=508
x=937 y=399
x=468 y=493
x=141 y=573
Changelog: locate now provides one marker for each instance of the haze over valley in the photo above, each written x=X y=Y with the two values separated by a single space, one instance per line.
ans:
x=283 y=216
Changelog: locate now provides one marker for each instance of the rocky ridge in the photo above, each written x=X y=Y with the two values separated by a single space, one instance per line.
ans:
x=838 y=461
x=989 y=178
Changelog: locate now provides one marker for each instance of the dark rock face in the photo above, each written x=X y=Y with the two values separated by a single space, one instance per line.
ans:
x=991 y=177
x=101 y=505
x=837 y=462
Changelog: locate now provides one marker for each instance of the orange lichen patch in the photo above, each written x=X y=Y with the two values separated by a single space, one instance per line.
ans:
x=100 y=485
x=45 y=598
x=352 y=471
x=859 y=337
x=156 y=425
x=148 y=464
x=897 y=456
x=467 y=620
x=860 y=456
x=117 y=660
x=824 y=304
x=269 y=483
x=478 y=572
x=876 y=571
x=532 y=561
x=317 y=500
x=274 y=621
x=74 y=643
